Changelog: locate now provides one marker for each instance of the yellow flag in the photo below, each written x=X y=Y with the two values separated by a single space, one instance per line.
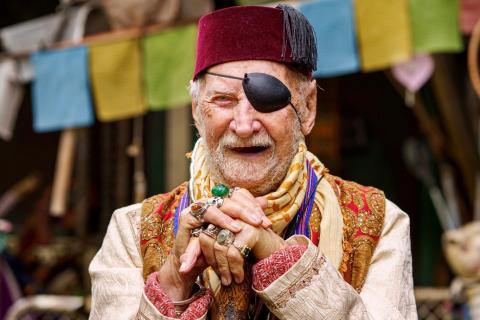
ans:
x=383 y=29
x=115 y=71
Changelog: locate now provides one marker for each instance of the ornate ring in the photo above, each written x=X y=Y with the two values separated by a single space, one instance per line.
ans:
x=212 y=231
x=244 y=250
x=198 y=209
x=220 y=190
x=196 y=232
x=225 y=237
x=215 y=201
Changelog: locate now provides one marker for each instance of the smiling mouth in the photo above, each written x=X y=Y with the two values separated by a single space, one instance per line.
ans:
x=251 y=150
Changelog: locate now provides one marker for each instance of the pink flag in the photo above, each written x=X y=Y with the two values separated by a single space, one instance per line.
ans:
x=414 y=73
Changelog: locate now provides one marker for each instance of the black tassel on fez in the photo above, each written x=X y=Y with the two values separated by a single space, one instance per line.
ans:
x=301 y=36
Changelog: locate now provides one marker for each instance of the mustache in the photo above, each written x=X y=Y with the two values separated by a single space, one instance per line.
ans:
x=230 y=140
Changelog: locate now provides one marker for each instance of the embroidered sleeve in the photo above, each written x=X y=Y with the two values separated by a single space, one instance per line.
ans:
x=271 y=268
x=158 y=298
x=314 y=289
x=196 y=309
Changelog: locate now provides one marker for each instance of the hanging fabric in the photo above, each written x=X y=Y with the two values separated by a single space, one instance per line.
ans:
x=413 y=74
x=334 y=26
x=61 y=91
x=383 y=29
x=469 y=15
x=11 y=95
x=115 y=70
x=137 y=13
x=435 y=26
x=169 y=63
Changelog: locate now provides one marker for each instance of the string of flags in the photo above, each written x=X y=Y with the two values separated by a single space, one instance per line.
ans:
x=119 y=79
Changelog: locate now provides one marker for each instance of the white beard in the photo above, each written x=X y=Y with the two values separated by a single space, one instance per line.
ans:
x=259 y=177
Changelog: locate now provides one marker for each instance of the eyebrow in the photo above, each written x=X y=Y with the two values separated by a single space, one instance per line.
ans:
x=220 y=91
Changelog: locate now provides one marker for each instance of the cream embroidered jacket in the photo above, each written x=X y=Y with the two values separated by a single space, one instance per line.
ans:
x=311 y=289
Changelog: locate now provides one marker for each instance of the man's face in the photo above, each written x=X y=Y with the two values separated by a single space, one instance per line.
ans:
x=246 y=148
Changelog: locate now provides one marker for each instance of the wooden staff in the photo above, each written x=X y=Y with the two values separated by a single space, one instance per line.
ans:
x=63 y=173
x=462 y=146
x=474 y=74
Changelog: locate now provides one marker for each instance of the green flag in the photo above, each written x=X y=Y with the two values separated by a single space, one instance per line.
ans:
x=435 y=26
x=168 y=67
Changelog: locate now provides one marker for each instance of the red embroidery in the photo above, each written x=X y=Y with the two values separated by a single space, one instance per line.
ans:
x=266 y=271
x=197 y=308
x=158 y=298
x=165 y=306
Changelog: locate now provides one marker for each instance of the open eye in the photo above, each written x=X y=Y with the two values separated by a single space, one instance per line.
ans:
x=223 y=100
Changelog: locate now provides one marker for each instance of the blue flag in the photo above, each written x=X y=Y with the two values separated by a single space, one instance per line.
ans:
x=334 y=25
x=61 y=90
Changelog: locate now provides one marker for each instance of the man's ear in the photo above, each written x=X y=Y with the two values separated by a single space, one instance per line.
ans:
x=308 y=119
x=195 y=117
x=195 y=114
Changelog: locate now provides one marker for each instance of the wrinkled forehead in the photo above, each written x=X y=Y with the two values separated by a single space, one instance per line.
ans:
x=239 y=68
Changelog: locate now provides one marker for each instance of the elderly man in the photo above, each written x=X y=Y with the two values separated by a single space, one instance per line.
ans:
x=261 y=230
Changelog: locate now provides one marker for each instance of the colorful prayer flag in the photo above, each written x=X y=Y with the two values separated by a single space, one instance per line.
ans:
x=61 y=91
x=383 y=29
x=469 y=15
x=116 y=76
x=435 y=26
x=336 y=40
x=413 y=74
x=168 y=66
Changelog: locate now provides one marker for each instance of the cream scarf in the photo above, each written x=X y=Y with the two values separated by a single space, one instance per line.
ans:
x=284 y=202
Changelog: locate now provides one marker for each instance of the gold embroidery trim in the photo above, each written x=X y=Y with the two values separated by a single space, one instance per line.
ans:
x=301 y=282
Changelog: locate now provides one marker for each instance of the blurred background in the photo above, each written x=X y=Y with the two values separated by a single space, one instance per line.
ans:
x=95 y=115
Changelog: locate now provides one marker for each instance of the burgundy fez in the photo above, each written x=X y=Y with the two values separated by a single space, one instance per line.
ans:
x=280 y=34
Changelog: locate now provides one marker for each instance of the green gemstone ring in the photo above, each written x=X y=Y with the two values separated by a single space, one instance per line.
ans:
x=220 y=190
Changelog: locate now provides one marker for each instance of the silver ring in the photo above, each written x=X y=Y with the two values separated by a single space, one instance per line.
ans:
x=215 y=202
x=225 y=237
x=198 y=209
x=196 y=232
x=212 y=231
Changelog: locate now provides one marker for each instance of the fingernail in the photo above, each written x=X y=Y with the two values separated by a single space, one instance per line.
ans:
x=225 y=281
x=183 y=267
x=235 y=225
x=268 y=222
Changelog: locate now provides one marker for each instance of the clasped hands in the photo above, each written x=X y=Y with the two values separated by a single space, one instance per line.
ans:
x=242 y=214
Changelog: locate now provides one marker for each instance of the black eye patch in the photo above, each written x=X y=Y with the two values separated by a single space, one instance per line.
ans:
x=264 y=92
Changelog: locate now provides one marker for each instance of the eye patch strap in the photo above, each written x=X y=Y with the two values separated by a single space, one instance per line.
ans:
x=225 y=75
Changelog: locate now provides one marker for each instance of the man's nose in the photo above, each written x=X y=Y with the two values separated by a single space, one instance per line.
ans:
x=244 y=123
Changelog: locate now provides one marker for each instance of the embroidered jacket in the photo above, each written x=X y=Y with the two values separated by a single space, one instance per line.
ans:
x=312 y=288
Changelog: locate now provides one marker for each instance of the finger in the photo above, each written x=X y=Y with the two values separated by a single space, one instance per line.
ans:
x=189 y=258
x=206 y=246
x=235 y=262
x=243 y=195
x=262 y=202
x=186 y=223
x=221 y=219
x=222 y=263
x=247 y=211
x=242 y=192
